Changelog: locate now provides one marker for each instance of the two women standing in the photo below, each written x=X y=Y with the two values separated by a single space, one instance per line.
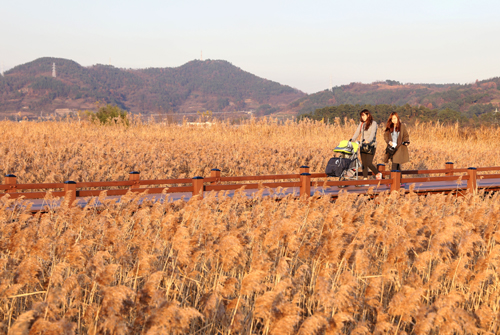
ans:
x=395 y=135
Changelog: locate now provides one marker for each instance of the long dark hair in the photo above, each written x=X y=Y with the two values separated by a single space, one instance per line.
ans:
x=390 y=126
x=369 y=118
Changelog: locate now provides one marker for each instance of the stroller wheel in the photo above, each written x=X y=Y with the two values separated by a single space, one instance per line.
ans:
x=343 y=179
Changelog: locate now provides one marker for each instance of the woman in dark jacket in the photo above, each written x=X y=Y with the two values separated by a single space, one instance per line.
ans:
x=396 y=135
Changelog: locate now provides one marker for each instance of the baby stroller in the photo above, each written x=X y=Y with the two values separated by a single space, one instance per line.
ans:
x=345 y=163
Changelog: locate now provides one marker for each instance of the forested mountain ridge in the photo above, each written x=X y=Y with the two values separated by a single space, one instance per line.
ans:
x=218 y=86
x=214 y=85
x=469 y=99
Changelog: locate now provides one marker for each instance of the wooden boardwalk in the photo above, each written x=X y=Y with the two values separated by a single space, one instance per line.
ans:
x=456 y=181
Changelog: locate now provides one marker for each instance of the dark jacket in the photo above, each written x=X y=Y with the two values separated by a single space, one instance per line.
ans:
x=401 y=156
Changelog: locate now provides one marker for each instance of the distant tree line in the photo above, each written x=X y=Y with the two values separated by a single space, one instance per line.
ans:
x=407 y=113
x=470 y=99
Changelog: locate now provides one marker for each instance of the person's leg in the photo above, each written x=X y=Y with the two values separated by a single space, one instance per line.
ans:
x=396 y=166
x=364 y=162
x=369 y=163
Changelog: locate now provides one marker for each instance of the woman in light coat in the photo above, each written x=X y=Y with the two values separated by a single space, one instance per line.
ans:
x=367 y=130
x=396 y=135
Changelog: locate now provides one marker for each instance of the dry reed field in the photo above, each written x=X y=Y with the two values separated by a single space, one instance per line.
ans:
x=398 y=264
x=58 y=151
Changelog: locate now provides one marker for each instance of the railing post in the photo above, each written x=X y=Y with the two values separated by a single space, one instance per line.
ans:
x=381 y=169
x=472 y=182
x=396 y=180
x=198 y=187
x=215 y=173
x=448 y=165
x=305 y=184
x=70 y=191
x=304 y=169
x=134 y=176
x=11 y=180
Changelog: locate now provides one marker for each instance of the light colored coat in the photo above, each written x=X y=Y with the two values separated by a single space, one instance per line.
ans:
x=366 y=135
x=401 y=155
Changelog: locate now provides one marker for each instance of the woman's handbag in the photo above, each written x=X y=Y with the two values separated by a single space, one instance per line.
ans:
x=367 y=148
x=390 y=150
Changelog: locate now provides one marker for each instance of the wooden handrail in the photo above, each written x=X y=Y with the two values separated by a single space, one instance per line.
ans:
x=433 y=171
x=227 y=187
x=488 y=176
x=492 y=168
x=264 y=177
x=358 y=182
x=319 y=175
x=196 y=186
x=33 y=186
x=35 y=195
x=434 y=179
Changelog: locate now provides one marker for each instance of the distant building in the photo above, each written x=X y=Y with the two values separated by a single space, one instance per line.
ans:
x=63 y=111
x=207 y=123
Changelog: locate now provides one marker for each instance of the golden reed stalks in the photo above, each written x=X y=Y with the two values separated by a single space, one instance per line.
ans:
x=59 y=151
x=396 y=264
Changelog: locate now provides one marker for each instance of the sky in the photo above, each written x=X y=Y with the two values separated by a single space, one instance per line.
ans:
x=309 y=45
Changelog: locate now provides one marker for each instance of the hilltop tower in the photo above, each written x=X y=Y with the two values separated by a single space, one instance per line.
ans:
x=201 y=55
x=53 y=70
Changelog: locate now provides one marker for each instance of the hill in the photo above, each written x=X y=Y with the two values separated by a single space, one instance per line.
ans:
x=214 y=85
x=470 y=99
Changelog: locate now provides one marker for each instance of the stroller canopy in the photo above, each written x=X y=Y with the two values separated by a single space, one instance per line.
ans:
x=347 y=147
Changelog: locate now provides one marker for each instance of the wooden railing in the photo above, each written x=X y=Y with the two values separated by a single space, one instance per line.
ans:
x=197 y=185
